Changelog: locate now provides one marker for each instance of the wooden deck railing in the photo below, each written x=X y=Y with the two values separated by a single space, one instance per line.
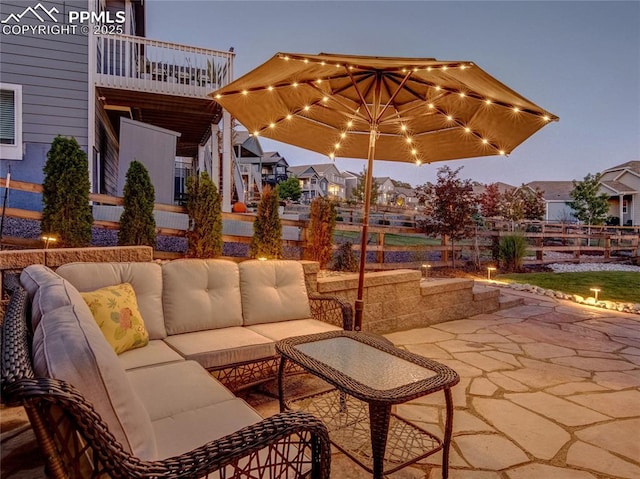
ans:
x=577 y=243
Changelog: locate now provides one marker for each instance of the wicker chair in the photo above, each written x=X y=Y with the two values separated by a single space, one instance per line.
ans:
x=77 y=443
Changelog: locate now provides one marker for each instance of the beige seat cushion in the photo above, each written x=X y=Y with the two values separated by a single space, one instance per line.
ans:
x=146 y=279
x=287 y=329
x=222 y=347
x=174 y=388
x=68 y=345
x=273 y=291
x=201 y=295
x=154 y=353
x=187 y=430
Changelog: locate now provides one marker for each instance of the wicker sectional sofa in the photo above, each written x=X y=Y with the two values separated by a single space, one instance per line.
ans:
x=157 y=410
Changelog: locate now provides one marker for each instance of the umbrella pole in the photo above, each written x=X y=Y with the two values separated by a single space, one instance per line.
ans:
x=365 y=229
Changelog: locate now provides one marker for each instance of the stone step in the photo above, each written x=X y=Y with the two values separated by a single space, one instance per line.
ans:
x=506 y=301
x=481 y=293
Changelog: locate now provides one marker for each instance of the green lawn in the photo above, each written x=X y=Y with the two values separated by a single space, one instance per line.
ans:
x=620 y=286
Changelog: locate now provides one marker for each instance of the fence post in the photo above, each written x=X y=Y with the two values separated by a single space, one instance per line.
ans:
x=380 y=252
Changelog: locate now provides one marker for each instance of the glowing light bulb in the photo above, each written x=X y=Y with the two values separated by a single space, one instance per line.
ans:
x=487 y=101
x=403 y=127
x=245 y=92
x=272 y=125
x=322 y=63
x=445 y=67
x=307 y=108
x=438 y=88
x=516 y=109
x=463 y=67
x=270 y=88
x=306 y=60
x=256 y=133
x=462 y=94
x=295 y=84
x=485 y=141
x=337 y=145
x=502 y=153
x=343 y=135
x=349 y=123
x=409 y=140
x=414 y=152
x=218 y=95
x=449 y=117
x=418 y=162
x=286 y=57
x=546 y=118
x=325 y=98
x=332 y=156
x=431 y=106
x=289 y=116
x=467 y=129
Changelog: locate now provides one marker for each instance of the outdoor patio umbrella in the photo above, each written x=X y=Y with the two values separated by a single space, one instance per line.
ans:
x=395 y=109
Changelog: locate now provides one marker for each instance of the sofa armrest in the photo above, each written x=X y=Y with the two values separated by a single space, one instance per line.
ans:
x=332 y=310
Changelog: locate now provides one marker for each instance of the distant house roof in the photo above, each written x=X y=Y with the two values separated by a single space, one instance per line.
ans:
x=479 y=188
x=303 y=171
x=273 y=157
x=618 y=187
x=629 y=165
x=350 y=174
x=407 y=192
x=553 y=190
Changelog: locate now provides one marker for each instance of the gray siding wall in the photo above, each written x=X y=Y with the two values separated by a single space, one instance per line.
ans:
x=53 y=72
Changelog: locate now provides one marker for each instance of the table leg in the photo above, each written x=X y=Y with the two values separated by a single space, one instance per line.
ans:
x=448 y=430
x=379 y=416
x=281 y=367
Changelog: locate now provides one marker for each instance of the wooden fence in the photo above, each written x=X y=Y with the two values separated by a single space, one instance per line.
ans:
x=548 y=242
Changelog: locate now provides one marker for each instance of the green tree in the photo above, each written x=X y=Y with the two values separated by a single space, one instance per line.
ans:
x=451 y=204
x=290 y=189
x=358 y=191
x=589 y=206
x=322 y=222
x=267 y=228
x=513 y=206
x=204 y=207
x=137 y=224
x=65 y=194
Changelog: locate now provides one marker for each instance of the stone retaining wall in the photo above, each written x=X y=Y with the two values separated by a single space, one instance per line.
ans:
x=400 y=299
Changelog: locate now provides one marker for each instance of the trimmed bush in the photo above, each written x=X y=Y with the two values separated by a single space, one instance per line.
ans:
x=267 y=228
x=204 y=207
x=137 y=224
x=322 y=222
x=344 y=259
x=65 y=194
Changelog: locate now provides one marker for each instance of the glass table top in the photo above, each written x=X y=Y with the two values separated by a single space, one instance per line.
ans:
x=365 y=364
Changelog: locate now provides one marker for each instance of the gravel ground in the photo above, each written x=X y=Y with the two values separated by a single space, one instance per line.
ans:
x=578 y=268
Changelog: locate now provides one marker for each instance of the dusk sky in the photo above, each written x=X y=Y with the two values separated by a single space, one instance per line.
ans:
x=578 y=60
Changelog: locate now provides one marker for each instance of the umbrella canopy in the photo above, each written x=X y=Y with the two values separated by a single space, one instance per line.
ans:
x=395 y=109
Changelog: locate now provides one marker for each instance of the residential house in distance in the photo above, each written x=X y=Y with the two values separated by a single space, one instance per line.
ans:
x=319 y=180
x=121 y=95
x=350 y=182
x=622 y=184
x=557 y=195
x=406 y=197
x=274 y=168
x=386 y=190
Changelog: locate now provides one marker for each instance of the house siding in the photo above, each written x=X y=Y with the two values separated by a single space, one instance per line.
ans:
x=53 y=72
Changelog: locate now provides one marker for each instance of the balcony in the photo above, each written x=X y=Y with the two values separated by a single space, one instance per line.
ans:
x=153 y=66
x=162 y=84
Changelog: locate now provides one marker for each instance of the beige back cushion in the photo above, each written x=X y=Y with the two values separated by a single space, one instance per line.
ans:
x=273 y=291
x=68 y=345
x=200 y=295
x=146 y=279
x=47 y=291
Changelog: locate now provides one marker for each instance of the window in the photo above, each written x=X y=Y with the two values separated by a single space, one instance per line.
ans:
x=625 y=208
x=10 y=121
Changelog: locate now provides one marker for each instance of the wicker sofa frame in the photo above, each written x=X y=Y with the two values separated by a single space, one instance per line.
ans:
x=77 y=443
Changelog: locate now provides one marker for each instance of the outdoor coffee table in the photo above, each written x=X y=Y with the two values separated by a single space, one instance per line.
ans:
x=369 y=375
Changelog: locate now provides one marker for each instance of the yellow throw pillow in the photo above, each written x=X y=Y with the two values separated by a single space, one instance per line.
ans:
x=115 y=309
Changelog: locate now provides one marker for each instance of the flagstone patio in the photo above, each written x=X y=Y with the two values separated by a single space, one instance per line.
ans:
x=549 y=389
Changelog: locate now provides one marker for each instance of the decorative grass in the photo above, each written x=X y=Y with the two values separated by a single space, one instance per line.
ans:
x=619 y=286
